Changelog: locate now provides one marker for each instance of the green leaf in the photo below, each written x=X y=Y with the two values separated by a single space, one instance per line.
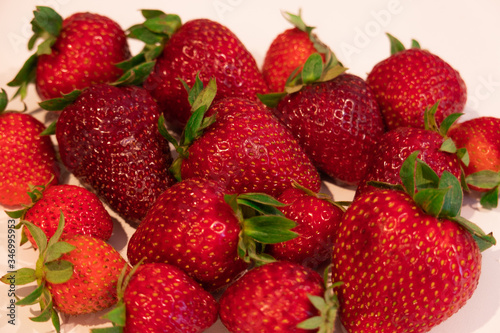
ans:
x=151 y=13
x=117 y=315
x=431 y=200
x=454 y=197
x=59 y=271
x=205 y=96
x=55 y=251
x=272 y=99
x=415 y=44
x=56 y=322
x=59 y=231
x=313 y=68
x=4 y=100
x=297 y=21
x=16 y=214
x=165 y=24
x=51 y=129
x=407 y=173
x=269 y=229
x=463 y=155
x=489 y=200
x=262 y=198
x=48 y=20
x=430 y=118
x=46 y=46
x=45 y=315
x=448 y=122
x=396 y=45
x=25 y=76
x=20 y=277
x=448 y=146
x=311 y=323
x=484 y=240
x=135 y=75
x=33 y=297
x=425 y=177
x=485 y=179
x=145 y=35
x=259 y=207
x=37 y=234
x=59 y=103
x=112 y=329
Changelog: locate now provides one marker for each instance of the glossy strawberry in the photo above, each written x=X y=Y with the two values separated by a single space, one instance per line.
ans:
x=29 y=158
x=212 y=50
x=337 y=123
x=412 y=80
x=109 y=139
x=79 y=51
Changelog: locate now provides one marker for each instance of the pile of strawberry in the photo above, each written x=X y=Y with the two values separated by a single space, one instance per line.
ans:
x=218 y=165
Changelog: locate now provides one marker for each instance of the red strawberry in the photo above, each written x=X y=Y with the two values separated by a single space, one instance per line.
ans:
x=212 y=50
x=29 y=158
x=162 y=298
x=407 y=260
x=79 y=51
x=84 y=212
x=276 y=297
x=289 y=51
x=109 y=139
x=337 y=122
x=412 y=80
x=317 y=218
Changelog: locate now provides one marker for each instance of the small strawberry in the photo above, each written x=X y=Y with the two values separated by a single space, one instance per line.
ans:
x=412 y=80
x=84 y=212
x=79 y=51
x=195 y=227
x=28 y=157
x=240 y=144
x=278 y=297
x=407 y=259
x=481 y=137
x=157 y=297
x=109 y=139
x=207 y=48
x=75 y=274
x=317 y=217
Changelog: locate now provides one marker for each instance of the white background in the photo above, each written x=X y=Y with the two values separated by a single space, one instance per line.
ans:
x=464 y=33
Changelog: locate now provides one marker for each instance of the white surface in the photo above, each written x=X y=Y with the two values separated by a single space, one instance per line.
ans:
x=464 y=33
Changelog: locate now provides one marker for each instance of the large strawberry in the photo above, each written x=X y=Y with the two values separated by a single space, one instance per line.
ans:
x=75 y=274
x=79 y=51
x=157 y=297
x=84 y=212
x=242 y=145
x=278 y=297
x=412 y=80
x=109 y=139
x=192 y=226
x=407 y=259
x=29 y=158
x=212 y=50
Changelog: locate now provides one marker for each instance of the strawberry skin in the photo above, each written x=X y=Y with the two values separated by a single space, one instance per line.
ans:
x=192 y=227
x=409 y=81
x=162 y=298
x=84 y=213
x=337 y=123
x=402 y=270
x=109 y=139
x=248 y=150
x=271 y=298
x=85 y=53
x=28 y=158
x=212 y=50
x=92 y=287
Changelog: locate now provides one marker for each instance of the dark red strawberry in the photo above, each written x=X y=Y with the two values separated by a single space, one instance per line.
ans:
x=79 y=51
x=277 y=297
x=109 y=139
x=207 y=48
x=412 y=80
x=317 y=217
x=29 y=158
x=407 y=259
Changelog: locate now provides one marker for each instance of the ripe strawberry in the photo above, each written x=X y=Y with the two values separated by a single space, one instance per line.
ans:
x=212 y=50
x=192 y=227
x=407 y=260
x=79 y=51
x=109 y=139
x=289 y=51
x=337 y=122
x=29 y=158
x=411 y=80
x=277 y=297
x=317 y=218
x=162 y=298
x=84 y=212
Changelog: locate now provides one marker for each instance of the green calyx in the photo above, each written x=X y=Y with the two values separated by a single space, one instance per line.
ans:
x=49 y=268
x=488 y=180
x=397 y=46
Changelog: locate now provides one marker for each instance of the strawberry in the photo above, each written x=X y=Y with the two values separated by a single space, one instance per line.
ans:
x=75 y=274
x=79 y=51
x=407 y=259
x=289 y=51
x=157 y=297
x=337 y=122
x=243 y=146
x=195 y=227
x=278 y=297
x=109 y=139
x=84 y=212
x=29 y=158
x=412 y=80
x=317 y=217
x=212 y=50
